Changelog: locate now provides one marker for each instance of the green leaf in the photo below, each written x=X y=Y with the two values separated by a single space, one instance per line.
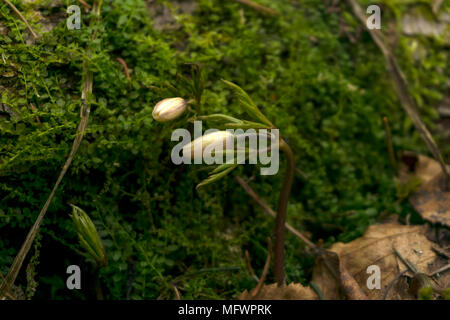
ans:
x=219 y=117
x=246 y=102
x=216 y=177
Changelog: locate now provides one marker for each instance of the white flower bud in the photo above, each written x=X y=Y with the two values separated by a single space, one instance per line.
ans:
x=219 y=139
x=169 y=109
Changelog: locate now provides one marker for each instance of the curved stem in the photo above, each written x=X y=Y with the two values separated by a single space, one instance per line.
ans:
x=280 y=219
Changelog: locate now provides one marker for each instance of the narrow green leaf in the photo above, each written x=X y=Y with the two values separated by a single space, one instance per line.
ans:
x=247 y=103
x=216 y=177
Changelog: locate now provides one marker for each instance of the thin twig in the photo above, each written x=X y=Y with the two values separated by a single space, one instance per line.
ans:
x=177 y=293
x=263 y=277
x=249 y=266
x=407 y=263
x=388 y=288
x=84 y=4
x=37 y=117
x=258 y=7
x=269 y=211
x=441 y=251
x=125 y=69
x=440 y=270
x=35 y=36
x=401 y=88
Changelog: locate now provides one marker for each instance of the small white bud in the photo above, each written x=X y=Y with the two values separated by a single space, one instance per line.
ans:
x=218 y=139
x=169 y=109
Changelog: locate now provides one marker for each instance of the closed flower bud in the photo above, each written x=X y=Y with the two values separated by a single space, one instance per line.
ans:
x=88 y=235
x=218 y=140
x=169 y=109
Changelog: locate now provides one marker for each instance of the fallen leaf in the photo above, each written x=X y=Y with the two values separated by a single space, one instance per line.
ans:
x=417 y=165
x=293 y=291
x=326 y=275
x=432 y=202
x=350 y=285
x=375 y=247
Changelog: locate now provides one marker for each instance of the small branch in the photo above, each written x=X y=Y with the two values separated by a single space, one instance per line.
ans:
x=258 y=7
x=408 y=264
x=388 y=288
x=440 y=270
x=258 y=287
x=125 y=69
x=280 y=219
x=272 y=213
x=177 y=292
x=84 y=4
x=35 y=36
x=401 y=88
x=249 y=266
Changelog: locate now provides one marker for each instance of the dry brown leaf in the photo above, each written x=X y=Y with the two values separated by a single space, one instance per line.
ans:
x=293 y=291
x=326 y=275
x=350 y=285
x=375 y=248
x=432 y=202
x=418 y=165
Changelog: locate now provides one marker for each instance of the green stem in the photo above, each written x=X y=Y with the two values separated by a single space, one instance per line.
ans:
x=97 y=284
x=280 y=219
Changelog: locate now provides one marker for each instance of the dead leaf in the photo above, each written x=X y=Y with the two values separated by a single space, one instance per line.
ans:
x=326 y=275
x=432 y=202
x=293 y=291
x=418 y=165
x=341 y=284
x=350 y=286
x=375 y=248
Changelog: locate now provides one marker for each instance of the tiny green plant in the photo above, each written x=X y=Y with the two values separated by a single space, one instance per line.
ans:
x=172 y=108
x=88 y=236
x=91 y=242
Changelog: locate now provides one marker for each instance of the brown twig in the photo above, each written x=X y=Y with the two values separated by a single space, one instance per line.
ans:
x=263 y=277
x=177 y=292
x=35 y=36
x=37 y=117
x=405 y=261
x=388 y=288
x=249 y=266
x=125 y=69
x=258 y=7
x=440 y=270
x=87 y=6
x=280 y=219
x=401 y=88
x=272 y=213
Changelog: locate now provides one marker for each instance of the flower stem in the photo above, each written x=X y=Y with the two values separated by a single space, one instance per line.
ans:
x=280 y=219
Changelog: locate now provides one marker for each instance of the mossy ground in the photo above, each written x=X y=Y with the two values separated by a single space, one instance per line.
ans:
x=326 y=89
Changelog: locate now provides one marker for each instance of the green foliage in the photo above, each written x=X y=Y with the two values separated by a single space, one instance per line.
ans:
x=326 y=94
x=88 y=235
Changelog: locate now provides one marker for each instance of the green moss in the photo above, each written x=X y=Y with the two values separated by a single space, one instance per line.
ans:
x=327 y=94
